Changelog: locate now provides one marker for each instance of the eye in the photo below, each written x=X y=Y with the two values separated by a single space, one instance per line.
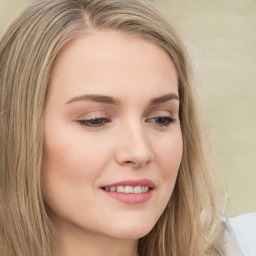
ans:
x=94 y=122
x=161 y=120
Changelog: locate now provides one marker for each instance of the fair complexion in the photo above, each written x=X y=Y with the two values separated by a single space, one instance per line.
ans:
x=111 y=120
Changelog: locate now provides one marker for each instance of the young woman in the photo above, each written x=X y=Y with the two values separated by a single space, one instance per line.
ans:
x=102 y=147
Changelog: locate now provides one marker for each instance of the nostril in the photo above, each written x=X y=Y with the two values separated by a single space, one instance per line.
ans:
x=134 y=154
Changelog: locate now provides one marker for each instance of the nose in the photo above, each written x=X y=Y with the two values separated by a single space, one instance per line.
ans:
x=134 y=148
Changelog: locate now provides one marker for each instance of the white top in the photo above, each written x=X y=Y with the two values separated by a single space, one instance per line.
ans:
x=239 y=238
x=244 y=228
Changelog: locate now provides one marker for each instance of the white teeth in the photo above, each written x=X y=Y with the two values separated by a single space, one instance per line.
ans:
x=144 y=189
x=128 y=189
x=137 y=189
x=120 y=189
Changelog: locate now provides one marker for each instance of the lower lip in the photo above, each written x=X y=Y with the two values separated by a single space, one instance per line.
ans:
x=130 y=198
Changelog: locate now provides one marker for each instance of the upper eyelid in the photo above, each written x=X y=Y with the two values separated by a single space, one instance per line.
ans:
x=94 y=114
x=169 y=107
x=156 y=113
x=110 y=113
x=105 y=116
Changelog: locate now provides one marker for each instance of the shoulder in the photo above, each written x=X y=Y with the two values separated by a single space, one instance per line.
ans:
x=239 y=237
x=244 y=230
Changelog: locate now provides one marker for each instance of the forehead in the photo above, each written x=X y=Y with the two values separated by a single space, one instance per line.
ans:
x=113 y=60
x=120 y=46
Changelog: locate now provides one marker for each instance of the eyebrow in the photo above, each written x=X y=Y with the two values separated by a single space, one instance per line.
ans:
x=95 y=98
x=113 y=101
x=164 y=98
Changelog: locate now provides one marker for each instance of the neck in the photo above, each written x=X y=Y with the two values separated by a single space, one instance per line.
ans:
x=74 y=241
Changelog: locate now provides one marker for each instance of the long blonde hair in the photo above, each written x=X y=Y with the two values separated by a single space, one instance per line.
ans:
x=191 y=222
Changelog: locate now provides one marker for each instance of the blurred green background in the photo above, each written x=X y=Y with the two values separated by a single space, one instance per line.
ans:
x=221 y=41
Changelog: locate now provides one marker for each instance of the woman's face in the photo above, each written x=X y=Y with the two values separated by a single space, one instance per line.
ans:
x=112 y=137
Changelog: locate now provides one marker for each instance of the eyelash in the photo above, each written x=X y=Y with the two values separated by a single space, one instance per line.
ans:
x=163 y=120
x=94 y=122
x=102 y=121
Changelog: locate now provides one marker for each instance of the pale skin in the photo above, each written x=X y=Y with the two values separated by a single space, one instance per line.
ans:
x=112 y=114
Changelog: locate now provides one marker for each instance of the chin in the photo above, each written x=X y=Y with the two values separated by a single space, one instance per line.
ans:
x=132 y=230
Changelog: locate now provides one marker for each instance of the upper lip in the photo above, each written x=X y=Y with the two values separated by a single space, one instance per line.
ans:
x=132 y=183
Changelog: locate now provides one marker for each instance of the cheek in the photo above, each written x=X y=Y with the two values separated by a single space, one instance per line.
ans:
x=71 y=164
x=63 y=161
x=68 y=176
x=65 y=168
x=170 y=154
x=169 y=159
x=72 y=157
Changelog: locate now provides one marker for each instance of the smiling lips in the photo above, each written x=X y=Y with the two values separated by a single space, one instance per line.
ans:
x=130 y=191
